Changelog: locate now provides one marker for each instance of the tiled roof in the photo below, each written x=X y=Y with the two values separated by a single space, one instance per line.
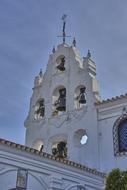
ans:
x=111 y=99
x=49 y=156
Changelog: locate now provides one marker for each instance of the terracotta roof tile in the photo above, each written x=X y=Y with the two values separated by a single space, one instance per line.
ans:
x=111 y=99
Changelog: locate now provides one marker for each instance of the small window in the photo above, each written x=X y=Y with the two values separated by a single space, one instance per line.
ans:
x=39 y=109
x=80 y=137
x=122 y=135
x=84 y=139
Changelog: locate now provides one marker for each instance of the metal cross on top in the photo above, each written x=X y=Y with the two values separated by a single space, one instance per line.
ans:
x=64 y=26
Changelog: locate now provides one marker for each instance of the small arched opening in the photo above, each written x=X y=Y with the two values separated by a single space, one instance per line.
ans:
x=80 y=97
x=60 y=64
x=39 y=109
x=59 y=100
x=59 y=145
x=59 y=149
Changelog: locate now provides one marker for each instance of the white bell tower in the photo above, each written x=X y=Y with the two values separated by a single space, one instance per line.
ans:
x=62 y=118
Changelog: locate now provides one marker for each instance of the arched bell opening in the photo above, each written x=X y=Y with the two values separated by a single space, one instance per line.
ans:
x=39 y=109
x=38 y=145
x=60 y=63
x=80 y=97
x=59 y=100
x=59 y=149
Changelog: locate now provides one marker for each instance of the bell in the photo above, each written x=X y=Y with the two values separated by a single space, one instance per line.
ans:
x=82 y=99
x=61 y=149
x=54 y=151
x=61 y=102
x=61 y=66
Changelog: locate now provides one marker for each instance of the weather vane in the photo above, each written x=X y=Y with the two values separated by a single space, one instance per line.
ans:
x=64 y=27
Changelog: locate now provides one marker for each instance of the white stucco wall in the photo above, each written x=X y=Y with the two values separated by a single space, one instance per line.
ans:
x=108 y=113
x=63 y=127
x=96 y=119
x=44 y=173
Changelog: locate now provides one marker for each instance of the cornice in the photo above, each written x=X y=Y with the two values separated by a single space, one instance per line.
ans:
x=51 y=157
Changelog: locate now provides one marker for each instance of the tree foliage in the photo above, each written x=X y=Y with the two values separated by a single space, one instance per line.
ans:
x=116 y=180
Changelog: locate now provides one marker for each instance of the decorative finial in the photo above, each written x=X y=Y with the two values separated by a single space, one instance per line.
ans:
x=53 y=50
x=74 y=42
x=64 y=27
x=40 y=73
x=89 y=54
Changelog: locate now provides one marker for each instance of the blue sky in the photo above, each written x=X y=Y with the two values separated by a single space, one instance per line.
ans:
x=28 y=31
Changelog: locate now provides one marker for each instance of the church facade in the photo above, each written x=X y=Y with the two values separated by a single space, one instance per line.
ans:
x=55 y=155
x=73 y=138
x=68 y=94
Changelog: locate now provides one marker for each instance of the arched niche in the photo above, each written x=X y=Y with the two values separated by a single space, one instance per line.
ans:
x=80 y=97
x=59 y=100
x=38 y=144
x=60 y=64
x=80 y=137
x=39 y=109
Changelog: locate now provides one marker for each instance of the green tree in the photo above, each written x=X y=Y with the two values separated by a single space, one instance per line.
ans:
x=116 y=180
